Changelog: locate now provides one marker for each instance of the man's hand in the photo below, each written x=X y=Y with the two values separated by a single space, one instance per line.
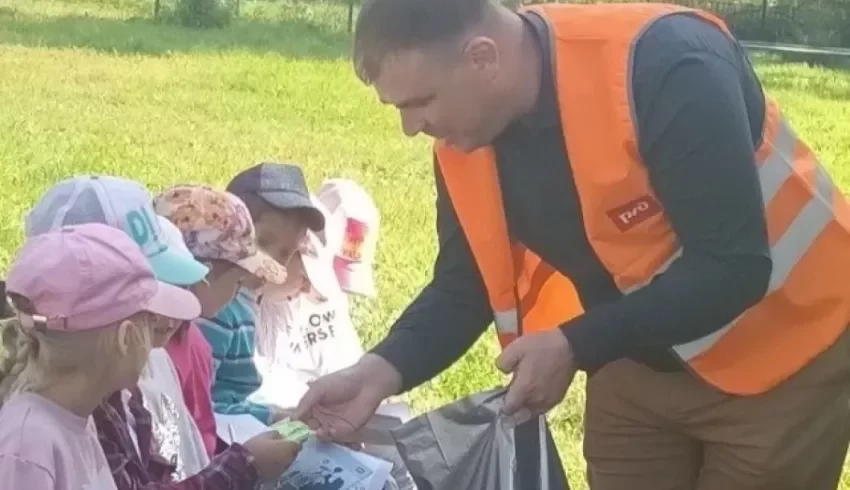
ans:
x=339 y=404
x=278 y=413
x=543 y=369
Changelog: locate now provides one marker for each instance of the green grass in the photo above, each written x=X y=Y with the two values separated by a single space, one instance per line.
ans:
x=93 y=87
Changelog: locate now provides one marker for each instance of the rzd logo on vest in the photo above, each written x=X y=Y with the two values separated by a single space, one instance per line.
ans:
x=634 y=212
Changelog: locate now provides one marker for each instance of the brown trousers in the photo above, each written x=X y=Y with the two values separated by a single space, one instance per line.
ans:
x=646 y=430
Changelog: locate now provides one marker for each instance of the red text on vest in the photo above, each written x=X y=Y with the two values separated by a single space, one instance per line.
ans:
x=634 y=212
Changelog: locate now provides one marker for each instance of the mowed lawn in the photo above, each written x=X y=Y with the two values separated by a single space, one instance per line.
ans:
x=95 y=88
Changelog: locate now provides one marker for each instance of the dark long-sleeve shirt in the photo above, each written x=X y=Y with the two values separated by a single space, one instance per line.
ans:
x=699 y=111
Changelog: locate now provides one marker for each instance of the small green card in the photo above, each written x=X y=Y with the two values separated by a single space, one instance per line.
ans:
x=293 y=430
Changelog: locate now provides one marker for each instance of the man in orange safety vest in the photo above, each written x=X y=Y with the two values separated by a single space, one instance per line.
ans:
x=617 y=195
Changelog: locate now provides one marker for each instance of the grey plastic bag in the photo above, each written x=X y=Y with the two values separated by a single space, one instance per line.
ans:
x=470 y=445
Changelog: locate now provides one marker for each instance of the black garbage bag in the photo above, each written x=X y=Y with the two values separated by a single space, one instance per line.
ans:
x=470 y=444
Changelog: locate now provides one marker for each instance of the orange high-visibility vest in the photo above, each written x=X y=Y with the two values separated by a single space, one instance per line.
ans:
x=807 y=304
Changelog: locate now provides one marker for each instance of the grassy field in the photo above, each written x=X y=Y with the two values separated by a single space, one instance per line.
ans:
x=94 y=87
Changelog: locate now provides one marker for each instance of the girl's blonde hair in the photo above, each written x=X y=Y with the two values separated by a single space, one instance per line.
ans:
x=33 y=355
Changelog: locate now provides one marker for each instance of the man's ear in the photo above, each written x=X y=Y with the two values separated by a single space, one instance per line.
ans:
x=482 y=53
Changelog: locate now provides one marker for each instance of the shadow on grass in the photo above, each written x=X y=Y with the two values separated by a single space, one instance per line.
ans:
x=291 y=38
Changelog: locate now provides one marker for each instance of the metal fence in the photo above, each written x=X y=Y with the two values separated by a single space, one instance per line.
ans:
x=808 y=22
x=823 y=23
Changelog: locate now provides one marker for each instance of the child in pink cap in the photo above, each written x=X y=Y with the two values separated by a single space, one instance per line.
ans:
x=211 y=229
x=126 y=205
x=83 y=293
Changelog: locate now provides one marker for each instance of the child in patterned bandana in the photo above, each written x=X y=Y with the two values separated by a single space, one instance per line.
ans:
x=218 y=230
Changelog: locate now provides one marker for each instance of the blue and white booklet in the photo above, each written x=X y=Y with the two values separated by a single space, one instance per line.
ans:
x=328 y=466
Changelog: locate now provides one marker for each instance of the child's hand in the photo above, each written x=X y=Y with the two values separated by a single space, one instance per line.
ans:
x=272 y=454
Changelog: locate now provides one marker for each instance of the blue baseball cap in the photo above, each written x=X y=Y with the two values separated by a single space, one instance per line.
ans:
x=120 y=203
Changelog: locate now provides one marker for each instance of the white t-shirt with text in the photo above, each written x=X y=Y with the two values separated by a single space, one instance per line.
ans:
x=301 y=339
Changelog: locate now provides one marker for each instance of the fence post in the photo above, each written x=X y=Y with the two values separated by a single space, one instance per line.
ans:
x=763 y=17
x=350 y=15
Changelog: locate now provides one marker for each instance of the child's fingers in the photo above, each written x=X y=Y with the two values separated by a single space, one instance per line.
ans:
x=269 y=435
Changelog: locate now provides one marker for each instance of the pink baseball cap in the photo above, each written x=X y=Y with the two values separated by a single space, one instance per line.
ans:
x=91 y=276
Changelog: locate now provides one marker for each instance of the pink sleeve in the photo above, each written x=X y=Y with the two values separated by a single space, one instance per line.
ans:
x=204 y=418
x=15 y=473
x=192 y=357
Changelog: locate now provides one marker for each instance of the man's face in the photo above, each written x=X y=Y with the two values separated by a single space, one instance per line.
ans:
x=444 y=92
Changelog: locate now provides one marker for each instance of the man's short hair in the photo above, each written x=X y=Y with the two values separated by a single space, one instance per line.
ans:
x=385 y=27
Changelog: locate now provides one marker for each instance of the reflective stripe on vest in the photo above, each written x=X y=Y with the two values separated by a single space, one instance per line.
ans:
x=507 y=323
x=804 y=229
